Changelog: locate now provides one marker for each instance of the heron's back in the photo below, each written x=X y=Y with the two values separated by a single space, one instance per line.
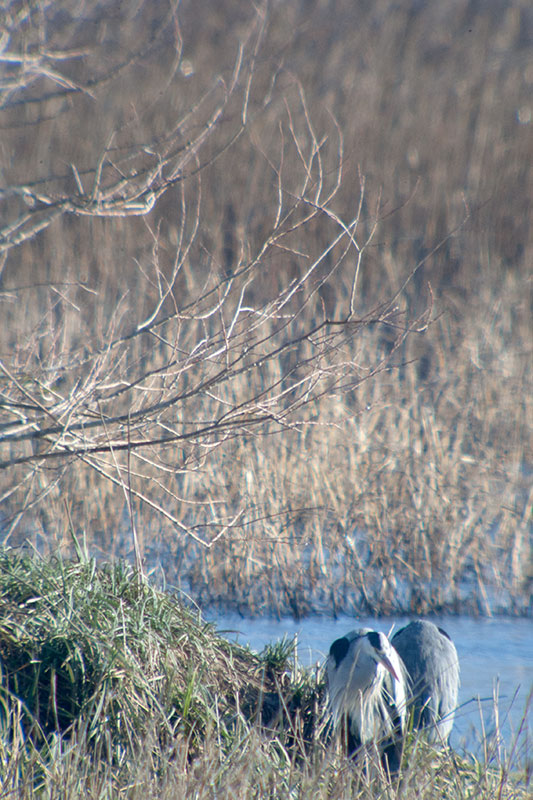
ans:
x=433 y=666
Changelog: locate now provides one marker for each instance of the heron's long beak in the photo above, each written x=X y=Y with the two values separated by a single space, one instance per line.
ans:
x=388 y=666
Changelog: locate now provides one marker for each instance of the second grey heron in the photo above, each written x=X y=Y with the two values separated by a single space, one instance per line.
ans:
x=367 y=694
x=432 y=663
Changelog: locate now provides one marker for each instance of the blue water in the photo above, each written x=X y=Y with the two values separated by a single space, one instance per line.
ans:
x=496 y=658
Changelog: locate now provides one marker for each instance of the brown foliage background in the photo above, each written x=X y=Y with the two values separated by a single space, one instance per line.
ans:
x=390 y=470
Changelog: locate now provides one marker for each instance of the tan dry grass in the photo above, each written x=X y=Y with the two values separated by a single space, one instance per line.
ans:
x=405 y=490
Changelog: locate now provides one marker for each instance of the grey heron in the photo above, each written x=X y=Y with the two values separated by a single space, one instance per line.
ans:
x=432 y=663
x=367 y=694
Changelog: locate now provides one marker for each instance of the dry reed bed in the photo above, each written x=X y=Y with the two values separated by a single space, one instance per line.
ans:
x=355 y=457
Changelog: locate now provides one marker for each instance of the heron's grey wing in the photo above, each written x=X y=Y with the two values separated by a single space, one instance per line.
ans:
x=447 y=681
x=431 y=660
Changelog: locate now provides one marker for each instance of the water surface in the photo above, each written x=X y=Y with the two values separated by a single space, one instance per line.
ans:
x=496 y=658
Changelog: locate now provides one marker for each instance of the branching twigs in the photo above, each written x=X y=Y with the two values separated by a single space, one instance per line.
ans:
x=229 y=347
x=31 y=57
x=215 y=357
x=79 y=421
x=145 y=172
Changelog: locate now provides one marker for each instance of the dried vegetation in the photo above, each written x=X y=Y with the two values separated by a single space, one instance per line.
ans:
x=266 y=297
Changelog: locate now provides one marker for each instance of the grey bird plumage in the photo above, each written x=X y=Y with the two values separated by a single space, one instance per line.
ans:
x=432 y=663
x=367 y=693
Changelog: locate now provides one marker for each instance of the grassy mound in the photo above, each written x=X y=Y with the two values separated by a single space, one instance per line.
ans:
x=79 y=642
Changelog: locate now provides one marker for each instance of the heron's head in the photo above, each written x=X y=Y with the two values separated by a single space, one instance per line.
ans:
x=377 y=646
x=362 y=647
